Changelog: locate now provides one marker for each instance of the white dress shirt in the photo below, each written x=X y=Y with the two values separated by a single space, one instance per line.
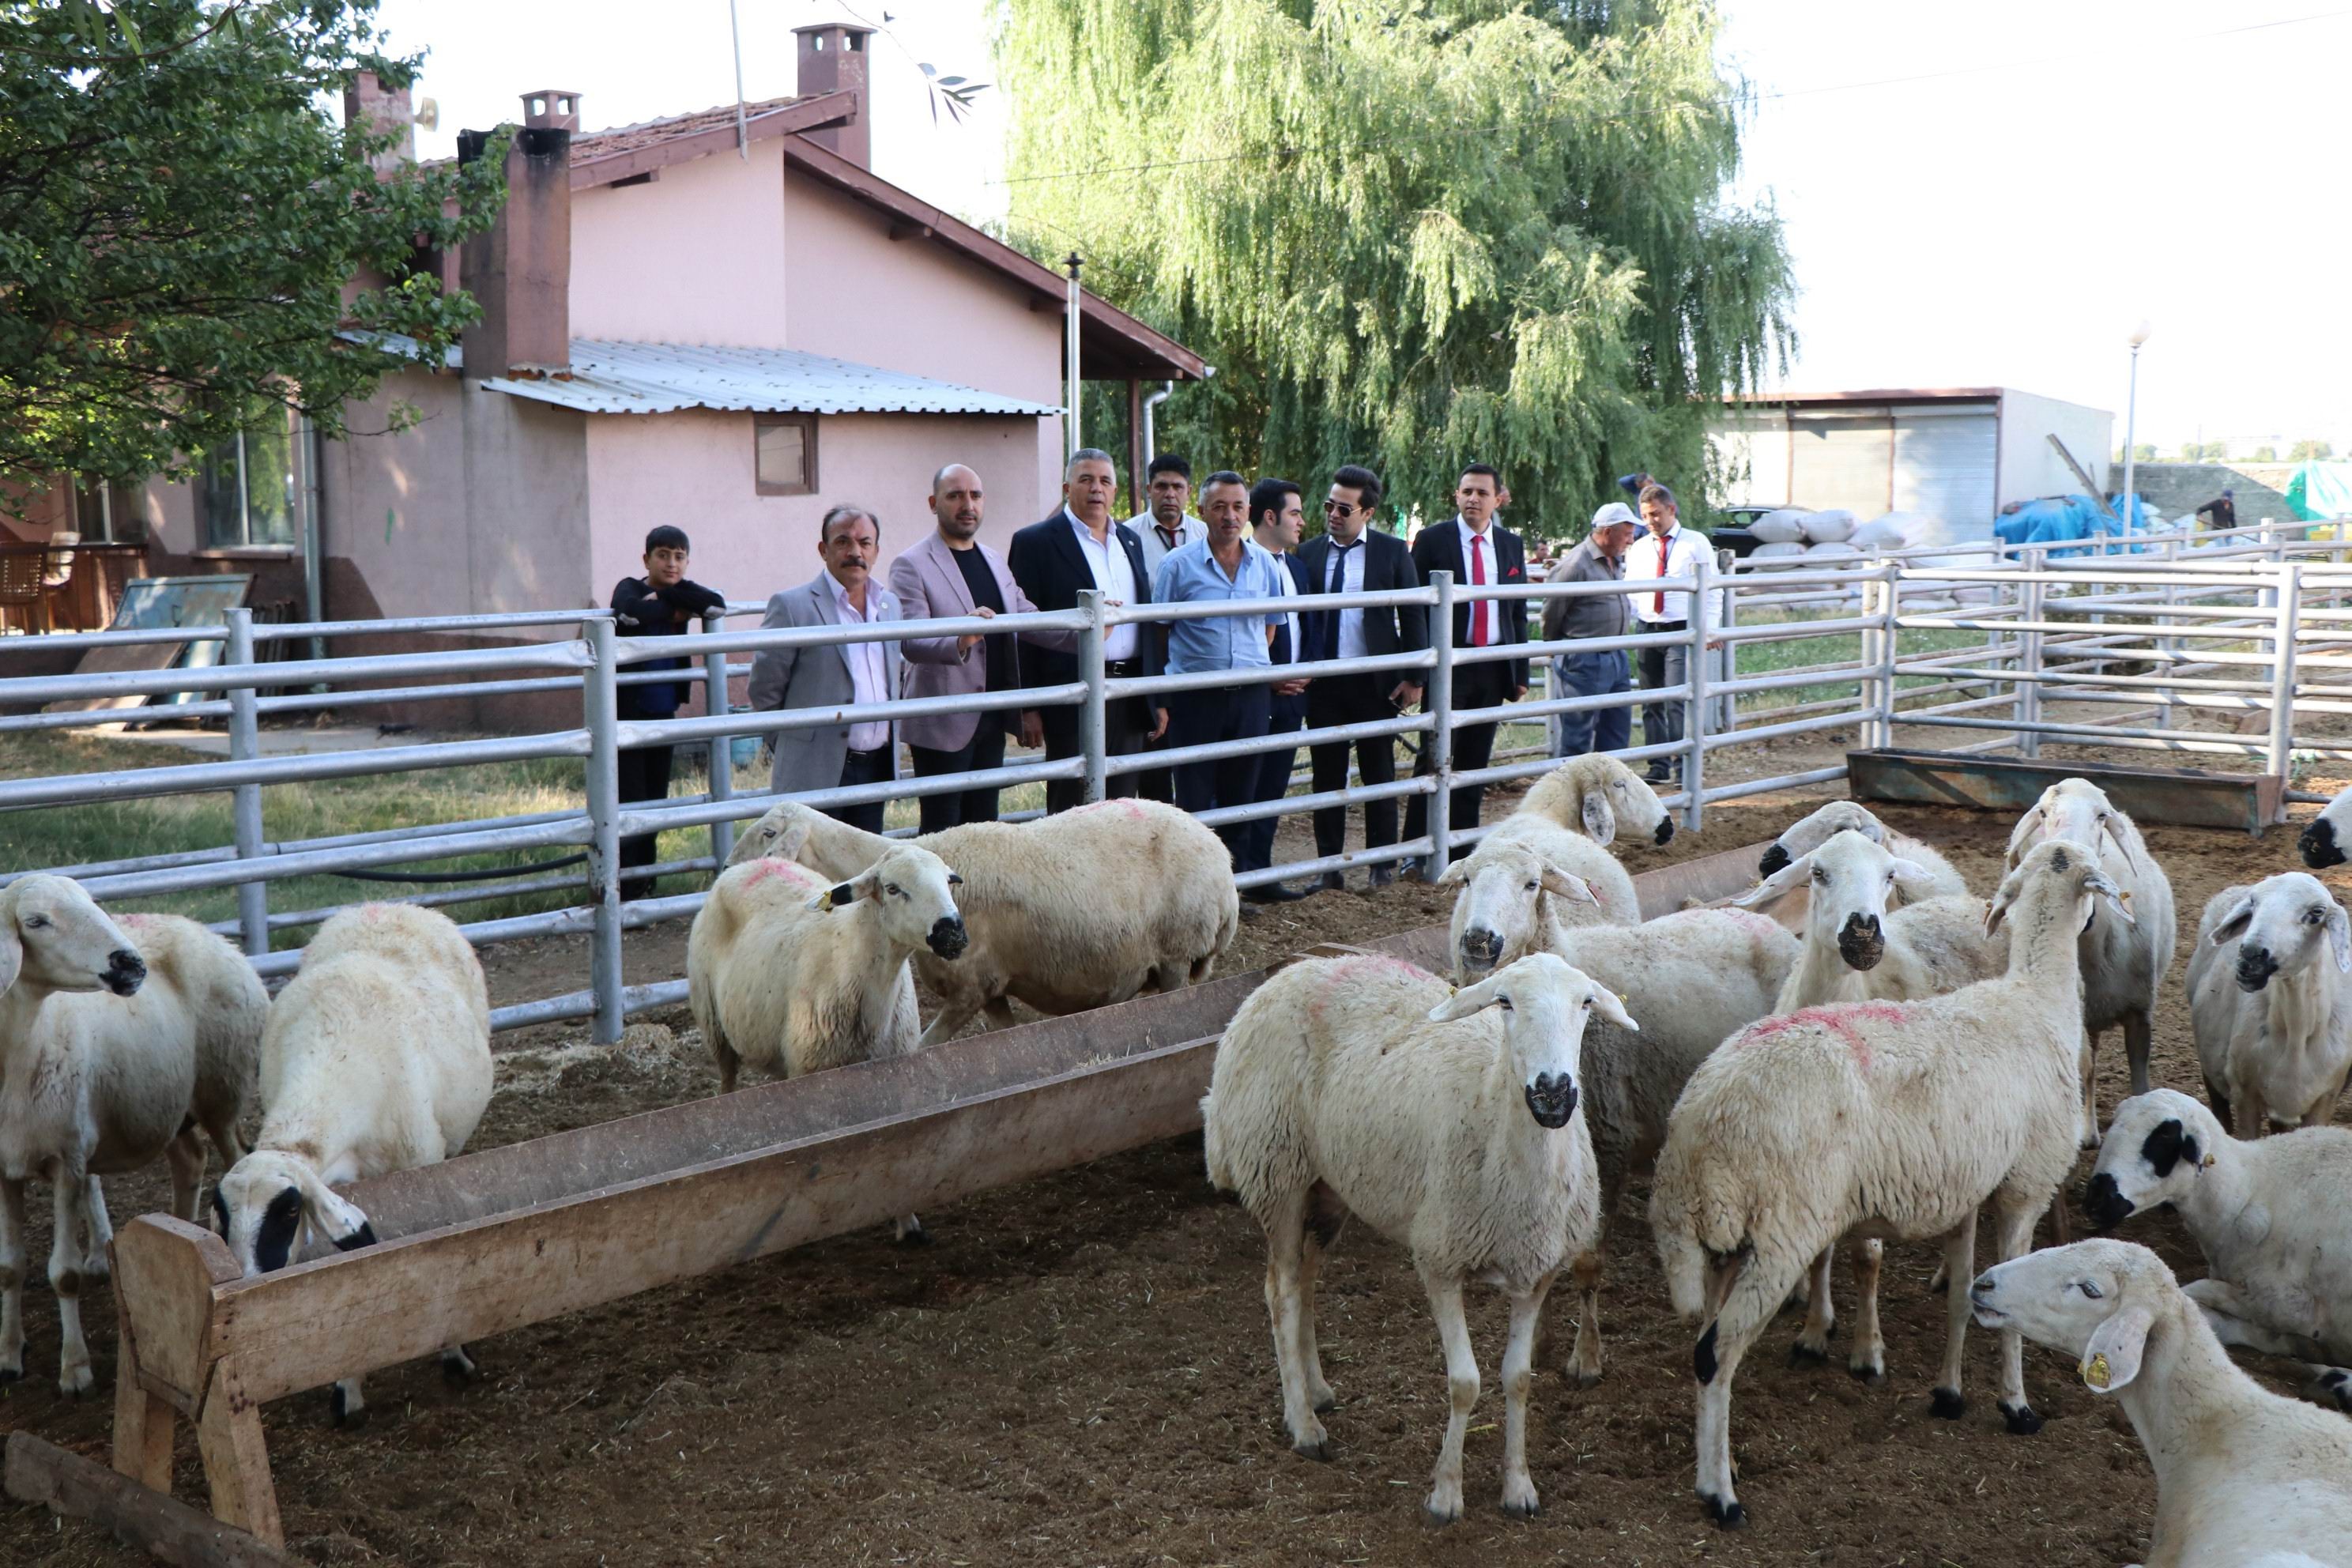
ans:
x=1683 y=550
x=1282 y=559
x=868 y=668
x=1116 y=577
x=1480 y=547
x=1349 y=579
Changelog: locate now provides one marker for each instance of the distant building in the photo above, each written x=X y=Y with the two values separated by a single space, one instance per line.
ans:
x=671 y=334
x=1960 y=453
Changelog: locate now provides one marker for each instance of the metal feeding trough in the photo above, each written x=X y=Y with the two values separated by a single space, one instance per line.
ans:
x=2184 y=797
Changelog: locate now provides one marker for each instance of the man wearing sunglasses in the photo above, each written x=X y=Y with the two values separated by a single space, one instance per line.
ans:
x=1352 y=557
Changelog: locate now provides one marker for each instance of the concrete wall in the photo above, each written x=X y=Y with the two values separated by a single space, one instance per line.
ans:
x=2029 y=468
x=701 y=255
x=2177 y=490
x=694 y=468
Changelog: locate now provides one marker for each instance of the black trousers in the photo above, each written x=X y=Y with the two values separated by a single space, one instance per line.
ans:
x=1474 y=685
x=984 y=750
x=1353 y=700
x=862 y=768
x=645 y=775
x=1126 y=723
x=1287 y=717
x=1199 y=718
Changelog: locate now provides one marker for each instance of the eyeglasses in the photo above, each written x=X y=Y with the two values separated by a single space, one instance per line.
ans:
x=1339 y=508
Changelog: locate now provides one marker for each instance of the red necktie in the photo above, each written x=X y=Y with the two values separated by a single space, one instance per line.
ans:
x=1479 y=608
x=1658 y=599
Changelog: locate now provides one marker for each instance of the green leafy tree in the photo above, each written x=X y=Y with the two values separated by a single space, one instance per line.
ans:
x=185 y=229
x=2144 y=453
x=2264 y=455
x=2310 y=452
x=1414 y=235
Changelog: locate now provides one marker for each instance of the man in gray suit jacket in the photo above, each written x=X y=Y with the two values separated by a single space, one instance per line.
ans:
x=834 y=756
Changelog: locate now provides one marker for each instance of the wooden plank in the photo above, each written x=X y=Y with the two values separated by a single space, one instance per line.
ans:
x=2184 y=797
x=165 y=1272
x=171 y=1531
x=1707 y=879
x=2098 y=494
x=142 y=1418
x=236 y=1455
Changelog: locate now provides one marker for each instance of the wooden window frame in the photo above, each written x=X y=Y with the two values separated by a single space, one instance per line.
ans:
x=806 y=425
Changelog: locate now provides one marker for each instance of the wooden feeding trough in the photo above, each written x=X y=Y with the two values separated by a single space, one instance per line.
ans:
x=2185 y=797
x=518 y=1235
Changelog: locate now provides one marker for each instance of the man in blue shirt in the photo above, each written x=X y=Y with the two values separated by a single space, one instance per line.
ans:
x=1225 y=566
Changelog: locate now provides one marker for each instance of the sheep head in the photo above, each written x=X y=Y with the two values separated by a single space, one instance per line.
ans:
x=2282 y=925
x=915 y=893
x=2095 y=1300
x=1546 y=1005
x=1808 y=833
x=54 y=937
x=268 y=1199
x=1596 y=794
x=2059 y=869
x=781 y=834
x=2157 y=1146
x=2076 y=810
x=1500 y=906
x=1853 y=884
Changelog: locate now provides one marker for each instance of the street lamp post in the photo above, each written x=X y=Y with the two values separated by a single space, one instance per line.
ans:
x=2131 y=422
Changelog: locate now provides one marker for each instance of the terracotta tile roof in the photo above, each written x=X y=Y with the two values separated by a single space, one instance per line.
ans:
x=587 y=144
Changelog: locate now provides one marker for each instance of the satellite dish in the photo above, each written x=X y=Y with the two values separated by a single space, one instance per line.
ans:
x=428 y=114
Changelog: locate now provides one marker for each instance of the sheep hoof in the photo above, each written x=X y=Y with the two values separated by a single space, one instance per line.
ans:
x=1319 y=1450
x=912 y=1234
x=2332 y=1388
x=1521 y=1508
x=349 y=1417
x=77 y=1382
x=1946 y=1405
x=1863 y=1371
x=2022 y=1421
x=1802 y=1355
x=457 y=1368
x=12 y=1373
x=1727 y=1515
x=1440 y=1515
x=1585 y=1377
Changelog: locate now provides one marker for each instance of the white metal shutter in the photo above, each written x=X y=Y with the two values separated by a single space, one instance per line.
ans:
x=1945 y=464
x=1840 y=462
x=1753 y=449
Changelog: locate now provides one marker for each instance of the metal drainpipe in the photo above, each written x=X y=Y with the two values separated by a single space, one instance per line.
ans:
x=314 y=596
x=1151 y=445
x=1070 y=441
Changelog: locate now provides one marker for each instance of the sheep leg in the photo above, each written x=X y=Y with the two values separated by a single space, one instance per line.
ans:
x=729 y=1060
x=1000 y=1012
x=12 y=1280
x=1868 y=1359
x=70 y=1196
x=2015 y=1217
x=346 y=1404
x=96 y=1262
x=2087 y=1133
x=1518 y=1359
x=1326 y=1218
x=1584 y=1361
x=952 y=1016
x=2236 y=1320
x=1812 y=1346
x=220 y=1126
x=457 y=1367
x=1741 y=1299
x=1960 y=1268
x=1285 y=1244
x=185 y=1156
x=1171 y=978
x=2139 y=1034
x=1444 y=1502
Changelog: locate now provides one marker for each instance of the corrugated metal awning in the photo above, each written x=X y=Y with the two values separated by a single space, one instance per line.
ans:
x=661 y=378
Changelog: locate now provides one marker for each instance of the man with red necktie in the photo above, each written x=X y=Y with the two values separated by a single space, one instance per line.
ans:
x=1668 y=550
x=1480 y=553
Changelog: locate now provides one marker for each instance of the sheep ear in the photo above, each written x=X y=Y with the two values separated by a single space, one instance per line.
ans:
x=2099 y=885
x=1566 y=885
x=12 y=946
x=2021 y=838
x=1611 y=1007
x=2112 y=1359
x=2115 y=837
x=1777 y=886
x=341 y=1221
x=789 y=840
x=2233 y=925
x=1996 y=908
x=1455 y=874
x=1470 y=999
x=1600 y=822
x=1873 y=829
x=2339 y=937
x=1912 y=883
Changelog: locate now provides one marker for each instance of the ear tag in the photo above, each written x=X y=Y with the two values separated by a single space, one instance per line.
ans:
x=2124 y=898
x=2207 y=1162
x=2095 y=1372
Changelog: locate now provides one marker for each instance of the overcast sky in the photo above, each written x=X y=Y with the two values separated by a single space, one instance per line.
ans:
x=1988 y=194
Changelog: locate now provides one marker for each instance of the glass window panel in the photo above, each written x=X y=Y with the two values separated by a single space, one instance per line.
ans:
x=216 y=499
x=269 y=483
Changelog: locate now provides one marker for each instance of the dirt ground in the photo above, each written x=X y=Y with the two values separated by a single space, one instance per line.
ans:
x=1079 y=1370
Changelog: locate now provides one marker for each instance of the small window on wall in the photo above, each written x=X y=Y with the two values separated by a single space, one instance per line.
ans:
x=783 y=449
x=109 y=514
x=245 y=489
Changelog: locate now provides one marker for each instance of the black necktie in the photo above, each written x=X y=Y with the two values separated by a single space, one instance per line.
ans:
x=1330 y=630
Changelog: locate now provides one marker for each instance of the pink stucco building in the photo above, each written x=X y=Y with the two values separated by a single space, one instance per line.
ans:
x=675 y=331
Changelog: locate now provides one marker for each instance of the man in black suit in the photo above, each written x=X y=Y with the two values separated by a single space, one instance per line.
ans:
x=1351 y=556
x=1080 y=547
x=1478 y=552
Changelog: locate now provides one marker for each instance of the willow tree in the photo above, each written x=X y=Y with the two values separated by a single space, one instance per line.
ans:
x=1414 y=233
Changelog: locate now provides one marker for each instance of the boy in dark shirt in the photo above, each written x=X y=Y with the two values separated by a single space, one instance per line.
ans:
x=662 y=603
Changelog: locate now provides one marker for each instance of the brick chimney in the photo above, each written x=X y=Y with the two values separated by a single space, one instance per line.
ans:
x=521 y=270
x=367 y=101
x=833 y=59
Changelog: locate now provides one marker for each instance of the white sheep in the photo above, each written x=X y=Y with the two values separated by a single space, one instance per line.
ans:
x=376 y=1059
x=1065 y=914
x=1808 y=834
x=1876 y=929
x=1895 y=1120
x=117 y=1040
x=2325 y=837
x=789 y=975
x=1527 y=875
x=2123 y=963
x=2242 y=1476
x=2267 y=1213
x=2272 y=1018
x=1595 y=794
x=1363 y=1085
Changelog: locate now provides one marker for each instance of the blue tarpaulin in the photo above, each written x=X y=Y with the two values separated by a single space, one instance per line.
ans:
x=2062 y=520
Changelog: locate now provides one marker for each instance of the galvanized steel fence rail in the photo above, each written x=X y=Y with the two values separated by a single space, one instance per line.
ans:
x=2055 y=630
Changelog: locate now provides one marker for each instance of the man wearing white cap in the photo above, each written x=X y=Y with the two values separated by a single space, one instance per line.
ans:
x=1600 y=559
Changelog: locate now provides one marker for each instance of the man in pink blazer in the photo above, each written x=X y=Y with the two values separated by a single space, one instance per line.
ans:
x=951 y=573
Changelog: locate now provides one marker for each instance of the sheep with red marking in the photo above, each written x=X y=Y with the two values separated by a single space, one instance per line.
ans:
x=1896 y=1119
x=1041 y=930
x=117 y=1041
x=1363 y=1085
x=376 y=1059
